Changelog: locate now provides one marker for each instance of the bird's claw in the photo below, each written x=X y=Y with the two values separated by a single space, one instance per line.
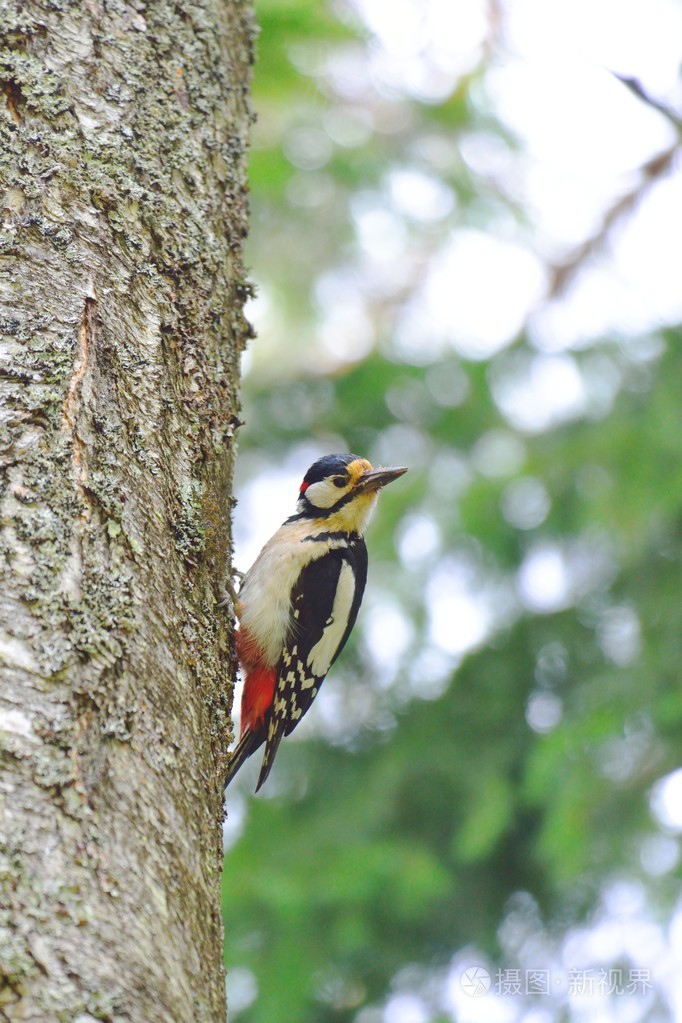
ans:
x=230 y=596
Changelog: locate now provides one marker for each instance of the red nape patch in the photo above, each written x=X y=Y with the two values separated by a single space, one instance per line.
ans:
x=303 y=487
x=259 y=692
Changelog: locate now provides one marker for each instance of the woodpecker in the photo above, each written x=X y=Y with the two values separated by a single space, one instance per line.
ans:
x=298 y=602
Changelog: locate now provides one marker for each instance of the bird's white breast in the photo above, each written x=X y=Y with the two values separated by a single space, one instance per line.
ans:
x=265 y=593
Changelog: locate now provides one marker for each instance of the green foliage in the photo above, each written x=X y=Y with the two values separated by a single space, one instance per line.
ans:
x=446 y=790
x=411 y=847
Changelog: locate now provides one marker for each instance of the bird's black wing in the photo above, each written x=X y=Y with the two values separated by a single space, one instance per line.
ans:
x=325 y=603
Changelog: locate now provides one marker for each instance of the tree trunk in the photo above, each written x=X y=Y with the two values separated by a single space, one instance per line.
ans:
x=123 y=130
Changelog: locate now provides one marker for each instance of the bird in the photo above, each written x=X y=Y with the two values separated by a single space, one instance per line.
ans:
x=298 y=602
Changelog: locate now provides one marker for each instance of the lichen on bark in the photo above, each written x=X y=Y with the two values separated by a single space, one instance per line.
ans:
x=123 y=131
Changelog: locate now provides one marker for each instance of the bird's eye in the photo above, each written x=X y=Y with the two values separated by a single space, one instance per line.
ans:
x=339 y=481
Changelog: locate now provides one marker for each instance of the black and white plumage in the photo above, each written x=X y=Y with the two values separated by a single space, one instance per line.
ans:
x=300 y=599
x=325 y=601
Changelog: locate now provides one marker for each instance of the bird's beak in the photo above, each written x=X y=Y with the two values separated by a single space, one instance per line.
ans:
x=375 y=479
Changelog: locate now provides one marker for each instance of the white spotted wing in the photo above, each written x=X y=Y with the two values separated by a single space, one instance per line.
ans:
x=325 y=603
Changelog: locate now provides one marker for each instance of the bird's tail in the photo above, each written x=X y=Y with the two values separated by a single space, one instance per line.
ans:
x=248 y=744
x=274 y=738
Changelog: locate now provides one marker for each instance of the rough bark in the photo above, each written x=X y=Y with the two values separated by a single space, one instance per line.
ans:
x=122 y=143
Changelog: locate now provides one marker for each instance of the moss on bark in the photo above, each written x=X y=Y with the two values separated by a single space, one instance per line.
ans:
x=123 y=131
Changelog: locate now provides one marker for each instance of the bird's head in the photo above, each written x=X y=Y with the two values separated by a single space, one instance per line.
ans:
x=343 y=490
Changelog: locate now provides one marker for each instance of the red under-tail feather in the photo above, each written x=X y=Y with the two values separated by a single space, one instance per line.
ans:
x=257 y=697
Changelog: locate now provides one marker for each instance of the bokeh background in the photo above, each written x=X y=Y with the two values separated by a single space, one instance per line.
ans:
x=467 y=246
